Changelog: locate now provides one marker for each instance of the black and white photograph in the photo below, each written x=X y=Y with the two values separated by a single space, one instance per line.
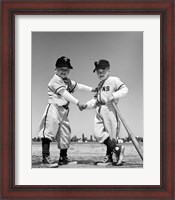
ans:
x=87 y=100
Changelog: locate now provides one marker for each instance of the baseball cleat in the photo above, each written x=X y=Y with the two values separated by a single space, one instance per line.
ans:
x=48 y=163
x=106 y=161
x=65 y=161
x=119 y=154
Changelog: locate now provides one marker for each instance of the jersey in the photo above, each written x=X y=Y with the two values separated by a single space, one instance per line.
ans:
x=106 y=122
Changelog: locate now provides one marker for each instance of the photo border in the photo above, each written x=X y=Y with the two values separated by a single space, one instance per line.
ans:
x=9 y=10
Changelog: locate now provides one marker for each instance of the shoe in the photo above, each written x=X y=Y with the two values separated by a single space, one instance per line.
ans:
x=119 y=154
x=65 y=160
x=48 y=163
x=106 y=161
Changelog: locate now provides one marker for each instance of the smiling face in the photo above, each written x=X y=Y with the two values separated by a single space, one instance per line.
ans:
x=102 y=74
x=63 y=72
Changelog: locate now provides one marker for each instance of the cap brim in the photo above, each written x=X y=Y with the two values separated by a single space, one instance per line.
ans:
x=65 y=65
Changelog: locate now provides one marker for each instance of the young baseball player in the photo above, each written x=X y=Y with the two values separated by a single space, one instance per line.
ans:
x=106 y=121
x=55 y=123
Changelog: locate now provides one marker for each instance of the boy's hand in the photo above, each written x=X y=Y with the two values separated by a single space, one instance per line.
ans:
x=94 y=90
x=81 y=106
x=84 y=106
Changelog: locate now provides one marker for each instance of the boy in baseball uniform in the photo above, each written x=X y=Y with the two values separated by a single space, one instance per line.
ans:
x=55 y=123
x=106 y=122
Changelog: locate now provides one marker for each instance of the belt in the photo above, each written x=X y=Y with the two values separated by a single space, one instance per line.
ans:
x=100 y=103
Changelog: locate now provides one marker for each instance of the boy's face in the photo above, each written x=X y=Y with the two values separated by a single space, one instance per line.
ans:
x=63 y=71
x=102 y=74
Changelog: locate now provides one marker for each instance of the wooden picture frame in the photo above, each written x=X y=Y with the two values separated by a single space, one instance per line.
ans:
x=12 y=8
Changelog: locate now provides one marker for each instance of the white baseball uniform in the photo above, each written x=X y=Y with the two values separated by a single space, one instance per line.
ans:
x=55 y=123
x=105 y=122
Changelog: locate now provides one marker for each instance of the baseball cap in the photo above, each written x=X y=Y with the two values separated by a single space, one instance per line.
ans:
x=101 y=64
x=63 y=62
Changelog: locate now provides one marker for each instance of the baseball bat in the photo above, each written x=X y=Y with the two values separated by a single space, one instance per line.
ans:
x=134 y=141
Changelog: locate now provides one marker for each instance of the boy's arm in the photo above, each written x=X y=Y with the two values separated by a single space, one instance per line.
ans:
x=91 y=104
x=82 y=87
x=64 y=93
x=71 y=98
x=122 y=92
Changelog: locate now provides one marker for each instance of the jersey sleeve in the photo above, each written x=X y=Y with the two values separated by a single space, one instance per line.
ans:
x=73 y=86
x=118 y=83
x=68 y=96
x=83 y=87
x=122 y=92
x=57 y=84
x=120 y=89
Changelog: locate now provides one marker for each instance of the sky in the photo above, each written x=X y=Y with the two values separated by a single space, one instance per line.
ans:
x=124 y=51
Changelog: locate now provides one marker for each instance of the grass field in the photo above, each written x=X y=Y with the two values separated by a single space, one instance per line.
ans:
x=87 y=154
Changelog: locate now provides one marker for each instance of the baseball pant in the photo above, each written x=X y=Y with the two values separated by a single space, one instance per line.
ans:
x=55 y=125
x=105 y=123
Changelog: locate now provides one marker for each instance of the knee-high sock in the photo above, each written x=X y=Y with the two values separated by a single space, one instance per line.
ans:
x=110 y=145
x=45 y=147
x=63 y=152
